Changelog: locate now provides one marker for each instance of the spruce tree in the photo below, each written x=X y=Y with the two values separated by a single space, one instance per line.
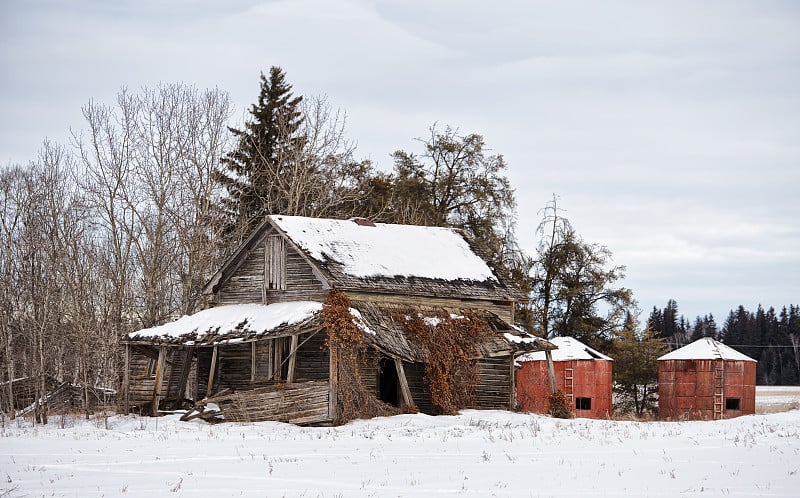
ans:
x=636 y=356
x=250 y=172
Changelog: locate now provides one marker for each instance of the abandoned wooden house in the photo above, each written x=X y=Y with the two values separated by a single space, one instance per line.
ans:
x=706 y=380
x=269 y=349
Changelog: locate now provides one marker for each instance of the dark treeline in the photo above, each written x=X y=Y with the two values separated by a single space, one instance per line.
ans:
x=772 y=338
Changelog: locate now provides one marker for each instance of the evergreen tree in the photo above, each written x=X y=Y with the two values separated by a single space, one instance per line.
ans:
x=636 y=356
x=656 y=320
x=260 y=158
x=704 y=327
x=669 y=325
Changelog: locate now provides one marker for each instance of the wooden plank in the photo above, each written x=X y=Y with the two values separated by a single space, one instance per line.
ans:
x=334 y=384
x=184 y=379
x=253 y=361
x=212 y=371
x=292 y=359
x=405 y=391
x=162 y=356
x=278 y=345
x=126 y=383
x=551 y=371
x=512 y=401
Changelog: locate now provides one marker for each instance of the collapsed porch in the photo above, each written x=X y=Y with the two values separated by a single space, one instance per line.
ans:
x=285 y=372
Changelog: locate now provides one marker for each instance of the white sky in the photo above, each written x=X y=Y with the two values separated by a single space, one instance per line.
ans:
x=668 y=129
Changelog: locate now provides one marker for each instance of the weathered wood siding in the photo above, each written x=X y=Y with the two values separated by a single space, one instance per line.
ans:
x=179 y=364
x=234 y=367
x=203 y=369
x=246 y=285
x=313 y=358
x=494 y=388
x=503 y=309
x=420 y=392
x=174 y=378
x=235 y=362
x=298 y=403
x=264 y=277
x=302 y=284
x=142 y=375
x=370 y=371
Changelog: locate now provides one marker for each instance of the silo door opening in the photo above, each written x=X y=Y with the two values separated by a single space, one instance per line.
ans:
x=732 y=404
x=388 y=389
x=583 y=403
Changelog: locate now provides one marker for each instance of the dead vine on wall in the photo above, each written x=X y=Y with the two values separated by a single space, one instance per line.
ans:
x=451 y=371
x=348 y=347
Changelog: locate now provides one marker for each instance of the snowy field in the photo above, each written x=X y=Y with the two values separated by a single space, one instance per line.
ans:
x=477 y=453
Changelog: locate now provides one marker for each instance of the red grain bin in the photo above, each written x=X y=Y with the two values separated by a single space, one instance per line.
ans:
x=706 y=380
x=582 y=373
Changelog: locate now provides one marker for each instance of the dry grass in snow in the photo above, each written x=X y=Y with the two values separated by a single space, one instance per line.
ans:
x=475 y=453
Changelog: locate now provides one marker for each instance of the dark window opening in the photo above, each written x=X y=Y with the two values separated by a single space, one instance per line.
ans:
x=387 y=381
x=583 y=403
x=732 y=404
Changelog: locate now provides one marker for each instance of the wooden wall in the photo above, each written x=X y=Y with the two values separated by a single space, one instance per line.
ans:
x=247 y=284
x=493 y=391
x=420 y=392
x=313 y=357
x=141 y=374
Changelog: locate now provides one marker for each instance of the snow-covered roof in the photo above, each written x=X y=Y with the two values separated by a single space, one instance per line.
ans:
x=386 y=250
x=569 y=348
x=229 y=323
x=706 y=349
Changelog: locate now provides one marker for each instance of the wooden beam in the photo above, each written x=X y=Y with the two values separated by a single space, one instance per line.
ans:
x=187 y=366
x=551 y=371
x=212 y=372
x=334 y=384
x=405 y=392
x=277 y=345
x=253 y=361
x=126 y=382
x=162 y=358
x=292 y=359
x=512 y=403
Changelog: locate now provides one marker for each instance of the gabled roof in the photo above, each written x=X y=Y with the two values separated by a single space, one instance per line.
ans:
x=706 y=348
x=569 y=348
x=383 y=257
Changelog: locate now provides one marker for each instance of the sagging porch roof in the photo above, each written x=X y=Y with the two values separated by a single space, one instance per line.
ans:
x=382 y=325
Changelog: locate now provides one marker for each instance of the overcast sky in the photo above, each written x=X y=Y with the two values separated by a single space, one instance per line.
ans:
x=669 y=130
